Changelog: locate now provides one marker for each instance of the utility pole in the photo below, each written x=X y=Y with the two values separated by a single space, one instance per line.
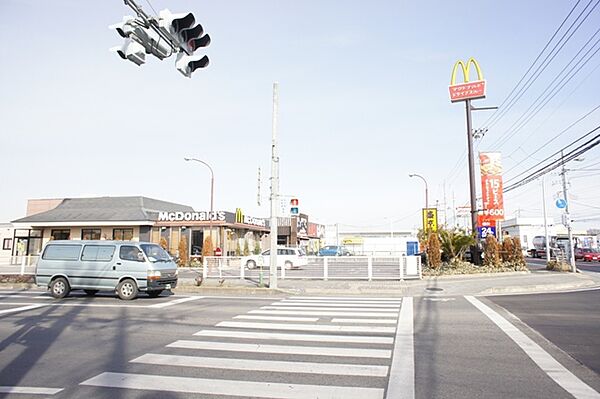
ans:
x=274 y=191
x=567 y=216
x=258 y=194
x=545 y=220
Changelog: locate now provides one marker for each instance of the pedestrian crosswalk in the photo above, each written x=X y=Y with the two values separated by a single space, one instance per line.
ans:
x=298 y=347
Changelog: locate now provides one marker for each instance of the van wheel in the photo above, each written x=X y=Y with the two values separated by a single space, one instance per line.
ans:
x=59 y=288
x=127 y=289
x=90 y=292
x=251 y=264
x=154 y=294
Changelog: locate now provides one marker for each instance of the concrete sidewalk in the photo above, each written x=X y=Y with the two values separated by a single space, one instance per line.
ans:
x=479 y=284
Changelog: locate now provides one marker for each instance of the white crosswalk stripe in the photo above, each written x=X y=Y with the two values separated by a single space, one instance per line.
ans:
x=298 y=336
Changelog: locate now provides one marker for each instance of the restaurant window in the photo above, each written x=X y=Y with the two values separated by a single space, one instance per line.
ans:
x=60 y=234
x=123 y=234
x=90 y=234
x=7 y=244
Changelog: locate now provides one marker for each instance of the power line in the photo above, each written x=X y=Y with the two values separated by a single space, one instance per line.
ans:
x=496 y=116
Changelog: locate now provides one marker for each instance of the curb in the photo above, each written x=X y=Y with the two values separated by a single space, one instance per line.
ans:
x=538 y=289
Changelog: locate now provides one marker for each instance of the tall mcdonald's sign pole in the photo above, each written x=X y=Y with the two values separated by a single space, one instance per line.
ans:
x=466 y=92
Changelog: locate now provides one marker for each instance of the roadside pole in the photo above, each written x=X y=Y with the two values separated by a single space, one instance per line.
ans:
x=274 y=192
x=545 y=220
x=567 y=216
x=475 y=257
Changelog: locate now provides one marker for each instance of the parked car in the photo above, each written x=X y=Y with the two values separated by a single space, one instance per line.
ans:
x=124 y=267
x=334 y=250
x=288 y=257
x=587 y=254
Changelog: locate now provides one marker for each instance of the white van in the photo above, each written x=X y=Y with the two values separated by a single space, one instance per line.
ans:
x=125 y=267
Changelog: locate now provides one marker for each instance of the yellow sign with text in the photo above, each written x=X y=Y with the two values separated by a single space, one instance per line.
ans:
x=430 y=219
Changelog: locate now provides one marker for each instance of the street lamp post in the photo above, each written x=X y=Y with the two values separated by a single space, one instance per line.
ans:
x=426 y=191
x=212 y=193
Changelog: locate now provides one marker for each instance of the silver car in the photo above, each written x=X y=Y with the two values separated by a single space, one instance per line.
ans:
x=125 y=267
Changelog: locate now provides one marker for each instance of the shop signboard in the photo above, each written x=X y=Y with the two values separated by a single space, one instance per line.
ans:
x=430 y=219
x=491 y=185
x=467 y=90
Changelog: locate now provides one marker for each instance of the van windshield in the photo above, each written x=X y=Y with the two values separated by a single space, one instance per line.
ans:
x=155 y=253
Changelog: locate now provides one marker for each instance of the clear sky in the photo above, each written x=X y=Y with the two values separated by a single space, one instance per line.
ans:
x=363 y=103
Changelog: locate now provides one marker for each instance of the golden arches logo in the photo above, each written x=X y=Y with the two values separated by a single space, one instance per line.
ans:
x=466 y=69
x=239 y=215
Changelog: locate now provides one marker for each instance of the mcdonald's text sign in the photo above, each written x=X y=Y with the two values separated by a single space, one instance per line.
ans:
x=467 y=90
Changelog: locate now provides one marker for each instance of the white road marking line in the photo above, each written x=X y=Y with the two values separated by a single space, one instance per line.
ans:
x=22 y=308
x=365 y=321
x=264 y=365
x=25 y=296
x=295 y=337
x=206 y=386
x=318 y=313
x=344 y=298
x=402 y=372
x=366 y=310
x=175 y=302
x=30 y=390
x=276 y=318
x=282 y=349
x=563 y=377
x=344 y=304
x=85 y=305
x=308 y=327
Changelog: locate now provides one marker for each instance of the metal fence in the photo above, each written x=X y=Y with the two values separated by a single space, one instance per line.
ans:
x=320 y=268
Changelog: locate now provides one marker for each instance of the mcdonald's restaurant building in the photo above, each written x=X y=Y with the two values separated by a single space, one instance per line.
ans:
x=140 y=218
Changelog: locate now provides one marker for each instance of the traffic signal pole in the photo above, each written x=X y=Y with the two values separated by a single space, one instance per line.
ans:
x=274 y=191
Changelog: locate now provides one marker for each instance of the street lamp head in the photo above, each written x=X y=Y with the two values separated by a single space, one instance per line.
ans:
x=411 y=175
x=187 y=159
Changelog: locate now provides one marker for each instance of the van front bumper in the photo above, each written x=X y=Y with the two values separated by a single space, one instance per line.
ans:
x=161 y=284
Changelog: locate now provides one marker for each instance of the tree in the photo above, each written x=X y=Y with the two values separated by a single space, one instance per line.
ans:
x=491 y=251
x=207 y=248
x=455 y=243
x=246 y=248
x=517 y=256
x=434 y=255
x=507 y=249
x=183 y=252
x=256 y=247
x=163 y=243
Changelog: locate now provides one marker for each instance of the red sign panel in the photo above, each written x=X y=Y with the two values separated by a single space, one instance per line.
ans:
x=467 y=91
x=491 y=185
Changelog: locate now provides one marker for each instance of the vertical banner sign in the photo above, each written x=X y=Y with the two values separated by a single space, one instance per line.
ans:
x=491 y=185
x=430 y=219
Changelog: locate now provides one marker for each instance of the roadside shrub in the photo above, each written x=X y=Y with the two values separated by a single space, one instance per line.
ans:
x=183 y=252
x=434 y=253
x=517 y=256
x=455 y=243
x=491 y=255
x=238 y=249
x=207 y=248
x=507 y=249
x=558 y=266
x=246 y=248
x=163 y=243
x=256 y=247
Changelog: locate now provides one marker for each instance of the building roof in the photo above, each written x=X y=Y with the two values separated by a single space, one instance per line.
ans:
x=105 y=209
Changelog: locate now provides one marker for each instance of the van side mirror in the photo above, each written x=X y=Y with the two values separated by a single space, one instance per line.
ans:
x=140 y=256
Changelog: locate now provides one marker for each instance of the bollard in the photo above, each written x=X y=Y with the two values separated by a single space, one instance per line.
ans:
x=325 y=268
x=401 y=262
x=204 y=268
x=370 y=268
x=22 y=265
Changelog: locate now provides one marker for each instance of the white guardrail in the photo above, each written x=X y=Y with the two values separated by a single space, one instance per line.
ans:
x=18 y=264
x=320 y=268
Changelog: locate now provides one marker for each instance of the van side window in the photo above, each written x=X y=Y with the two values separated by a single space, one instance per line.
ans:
x=62 y=252
x=100 y=253
x=129 y=252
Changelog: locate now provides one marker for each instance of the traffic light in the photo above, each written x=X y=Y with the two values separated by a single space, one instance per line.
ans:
x=139 y=40
x=162 y=37
x=190 y=37
x=294 y=210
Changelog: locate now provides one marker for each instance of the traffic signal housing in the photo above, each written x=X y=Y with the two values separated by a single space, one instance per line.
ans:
x=294 y=210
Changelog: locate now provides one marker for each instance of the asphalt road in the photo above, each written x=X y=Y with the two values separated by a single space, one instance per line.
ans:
x=540 y=264
x=296 y=347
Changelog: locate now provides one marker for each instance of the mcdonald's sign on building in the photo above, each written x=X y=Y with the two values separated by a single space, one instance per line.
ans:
x=466 y=90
